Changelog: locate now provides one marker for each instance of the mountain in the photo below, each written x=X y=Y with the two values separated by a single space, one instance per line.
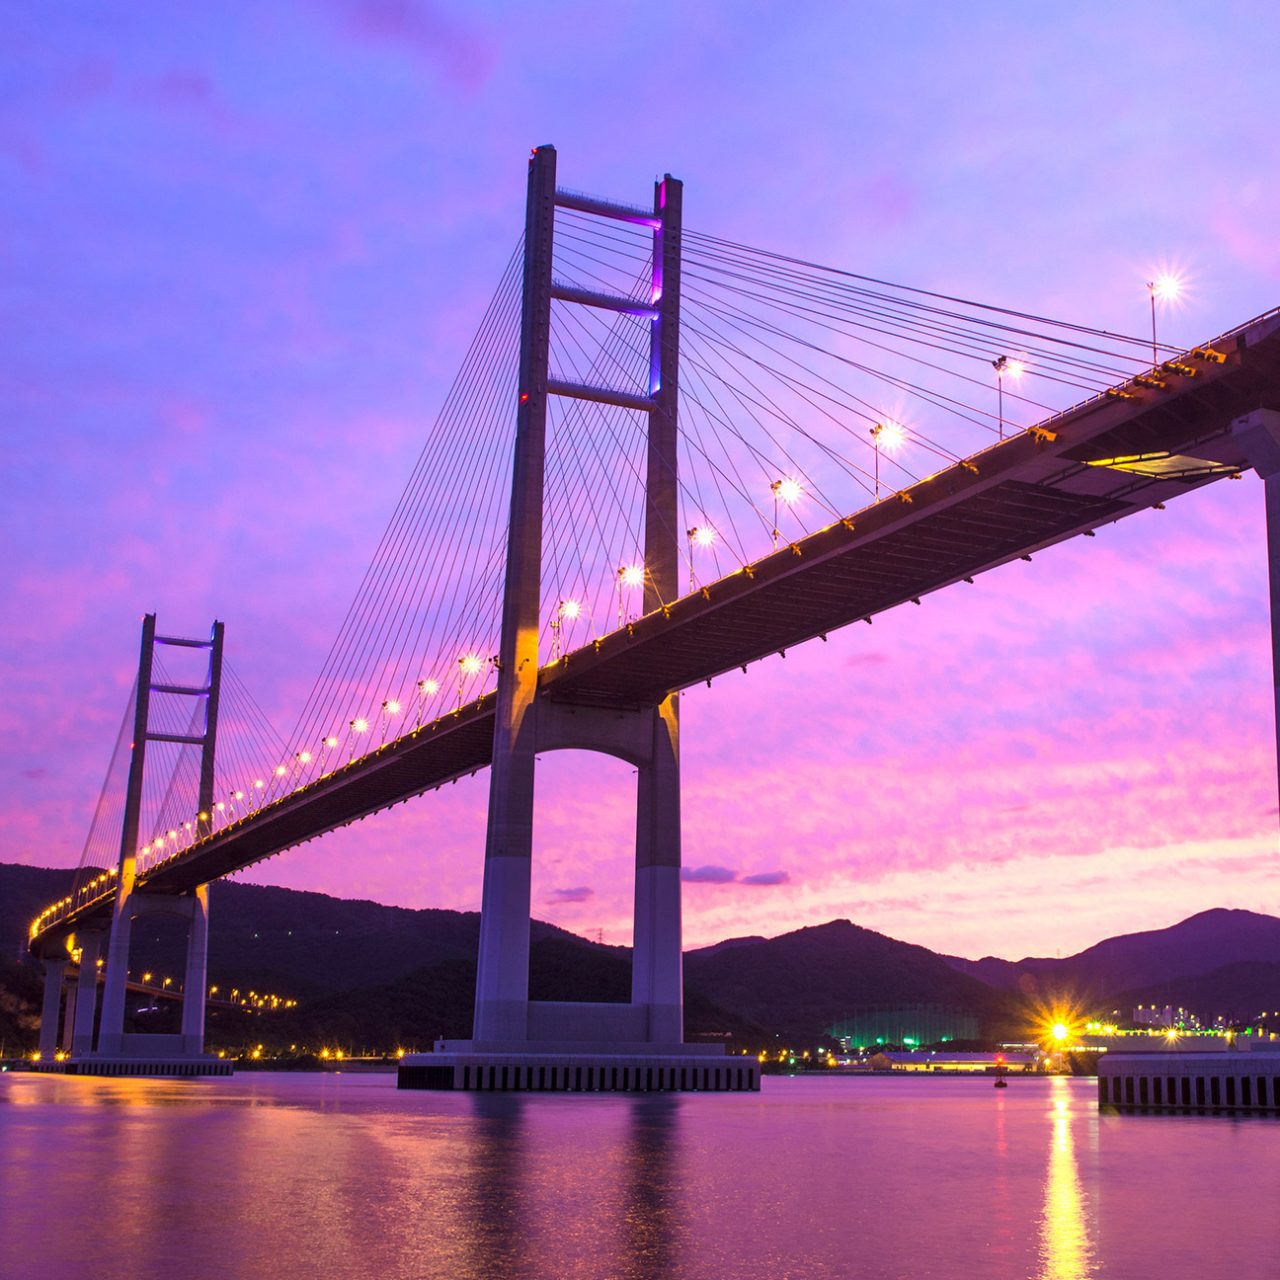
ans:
x=1239 y=992
x=1116 y=966
x=799 y=983
x=24 y=893
x=437 y=1001
x=367 y=974
x=287 y=941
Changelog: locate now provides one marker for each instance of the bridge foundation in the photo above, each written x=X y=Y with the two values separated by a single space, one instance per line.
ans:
x=519 y=1043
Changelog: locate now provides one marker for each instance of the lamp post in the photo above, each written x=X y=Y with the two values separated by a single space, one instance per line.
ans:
x=703 y=535
x=1166 y=287
x=889 y=437
x=784 y=490
x=629 y=575
x=1005 y=367
x=468 y=665
x=566 y=611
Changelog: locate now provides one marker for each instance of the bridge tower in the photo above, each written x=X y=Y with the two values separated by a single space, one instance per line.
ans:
x=119 y=1052
x=519 y=1043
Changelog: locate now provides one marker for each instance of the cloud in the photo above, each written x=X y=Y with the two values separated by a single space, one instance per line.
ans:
x=423 y=31
x=579 y=893
x=766 y=878
x=707 y=875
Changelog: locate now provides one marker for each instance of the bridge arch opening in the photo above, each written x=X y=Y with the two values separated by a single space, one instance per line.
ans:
x=583 y=877
x=157 y=962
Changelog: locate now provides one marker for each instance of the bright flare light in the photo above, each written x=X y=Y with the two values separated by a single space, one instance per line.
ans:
x=570 y=609
x=704 y=535
x=428 y=687
x=1060 y=1031
x=281 y=771
x=890 y=436
x=331 y=741
x=391 y=707
x=788 y=490
x=470 y=664
x=360 y=724
x=1166 y=287
x=632 y=575
x=304 y=757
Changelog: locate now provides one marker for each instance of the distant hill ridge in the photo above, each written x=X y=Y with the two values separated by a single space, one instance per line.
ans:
x=358 y=966
x=1198 y=945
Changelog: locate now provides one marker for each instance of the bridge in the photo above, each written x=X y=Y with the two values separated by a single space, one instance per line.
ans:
x=716 y=457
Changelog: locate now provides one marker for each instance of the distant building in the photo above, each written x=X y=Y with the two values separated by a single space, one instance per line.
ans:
x=1150 y=1015
x=906 y=1025
x=954 y=1063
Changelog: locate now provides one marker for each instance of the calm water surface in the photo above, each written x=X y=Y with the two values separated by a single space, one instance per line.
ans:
x=322 y=1176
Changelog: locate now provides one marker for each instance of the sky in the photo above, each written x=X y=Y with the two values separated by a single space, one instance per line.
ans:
x=243 y=247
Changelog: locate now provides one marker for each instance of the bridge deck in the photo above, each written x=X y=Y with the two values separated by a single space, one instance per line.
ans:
x=1023 y=494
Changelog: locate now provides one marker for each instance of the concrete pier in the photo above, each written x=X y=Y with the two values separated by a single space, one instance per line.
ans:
x=1242 y=1082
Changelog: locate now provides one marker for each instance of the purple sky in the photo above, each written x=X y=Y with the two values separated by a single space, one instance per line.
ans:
x=243 y=248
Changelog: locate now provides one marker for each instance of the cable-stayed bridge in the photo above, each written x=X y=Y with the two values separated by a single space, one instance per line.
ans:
x=666 y=456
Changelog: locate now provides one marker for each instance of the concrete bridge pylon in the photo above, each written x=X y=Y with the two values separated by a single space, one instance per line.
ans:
x=520 y=1043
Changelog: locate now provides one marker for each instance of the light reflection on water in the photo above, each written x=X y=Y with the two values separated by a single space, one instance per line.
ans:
x=342 y=1176
x=1065 y=1249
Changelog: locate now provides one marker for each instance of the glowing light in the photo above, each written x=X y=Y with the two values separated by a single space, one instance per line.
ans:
x=428 y=687
x=1060 y=1031
x=331 y=741
x=304 y=757
x=1171 y=1034
x=787 y=490
x=1166 y=287
x=632 y=575
x=391 y=707
x=570 y=609
x=258 y=783
x=239 y=795
x=281 y=771
x=702 y=535
x=890 y=436
x=470 y=664
x=360 y=725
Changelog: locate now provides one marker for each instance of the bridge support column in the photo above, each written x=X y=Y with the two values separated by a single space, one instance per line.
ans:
x=657 y=965
x=502 y=975
x=68 y=1020
x=195 y=985
x=86 y=994
x=523 y=1044
x=115 y=982
x=1258 y=435
x=54 y=971
x=158 y=1054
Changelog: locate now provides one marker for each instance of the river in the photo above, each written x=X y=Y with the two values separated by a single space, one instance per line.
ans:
x=326 y=1176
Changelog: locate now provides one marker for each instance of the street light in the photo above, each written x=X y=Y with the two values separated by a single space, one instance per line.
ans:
x=788 y=491
x=566 y=611
x=1166 y=287
x=704 y=536
x=629 y=575
x=468 y=665
x=1005 y=368
x=888 y=436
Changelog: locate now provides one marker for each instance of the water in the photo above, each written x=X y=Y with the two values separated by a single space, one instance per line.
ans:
x=322 y=1176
